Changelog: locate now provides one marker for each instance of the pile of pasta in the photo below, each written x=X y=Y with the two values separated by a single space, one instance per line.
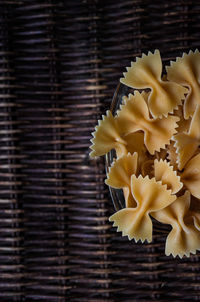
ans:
x=156 y=136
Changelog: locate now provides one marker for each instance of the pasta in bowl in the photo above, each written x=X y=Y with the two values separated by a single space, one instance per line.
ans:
x=151 y=137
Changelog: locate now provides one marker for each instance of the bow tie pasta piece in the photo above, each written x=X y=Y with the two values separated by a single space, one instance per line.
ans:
x=191 y=176
x=184 y=237
x=186 y=71
x=187 y=143
x=146 y=73
x=119 y=176
x=134 y=116
x=107 y=137
x=165 y=173
x=150 y=196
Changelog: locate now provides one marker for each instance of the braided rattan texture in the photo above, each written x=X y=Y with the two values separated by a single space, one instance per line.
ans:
x=60 y=62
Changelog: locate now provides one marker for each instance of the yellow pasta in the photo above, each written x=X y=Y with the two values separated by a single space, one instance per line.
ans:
x=150 y=196
x=119 y=176
x=186 y=71
x=146 y=73
x=107 y=137
x=184 y=237
x=135 y=143
x=165 y=173
x=156 y=136
x=191 y=176
x=134 y=116
x=187 y=143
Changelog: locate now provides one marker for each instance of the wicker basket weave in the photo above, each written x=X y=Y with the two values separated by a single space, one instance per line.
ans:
x=60 y=61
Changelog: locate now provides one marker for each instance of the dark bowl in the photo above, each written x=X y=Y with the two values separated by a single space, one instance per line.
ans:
x=116 y=194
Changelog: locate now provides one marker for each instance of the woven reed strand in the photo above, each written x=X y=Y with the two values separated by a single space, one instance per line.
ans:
x=60 y=62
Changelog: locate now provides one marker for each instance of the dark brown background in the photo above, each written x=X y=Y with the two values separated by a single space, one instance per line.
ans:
x=60 y=62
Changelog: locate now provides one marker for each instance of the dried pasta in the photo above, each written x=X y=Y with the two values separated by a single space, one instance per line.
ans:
x=136 y=222
x=107 y=137
x=187 y=143
x=135 y=143
x=146 y=73
x=156 y=136
x=186 y=71
x=165 y=173
x=134 y=116
x=184 y=237
x=183 y=124
x=191 y=176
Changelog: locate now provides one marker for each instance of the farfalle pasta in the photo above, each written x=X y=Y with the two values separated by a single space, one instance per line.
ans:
x=184 y=237
x=134 y=116
x=187 y=143
x=146 y=73
x=165 y=173
x=107 y=137
x=150 y=196
x=135 y=143
x=185 y=71
x=156 y=137
x=191 y=176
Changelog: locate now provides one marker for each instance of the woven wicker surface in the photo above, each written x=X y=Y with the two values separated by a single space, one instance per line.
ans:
x=60 y=62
